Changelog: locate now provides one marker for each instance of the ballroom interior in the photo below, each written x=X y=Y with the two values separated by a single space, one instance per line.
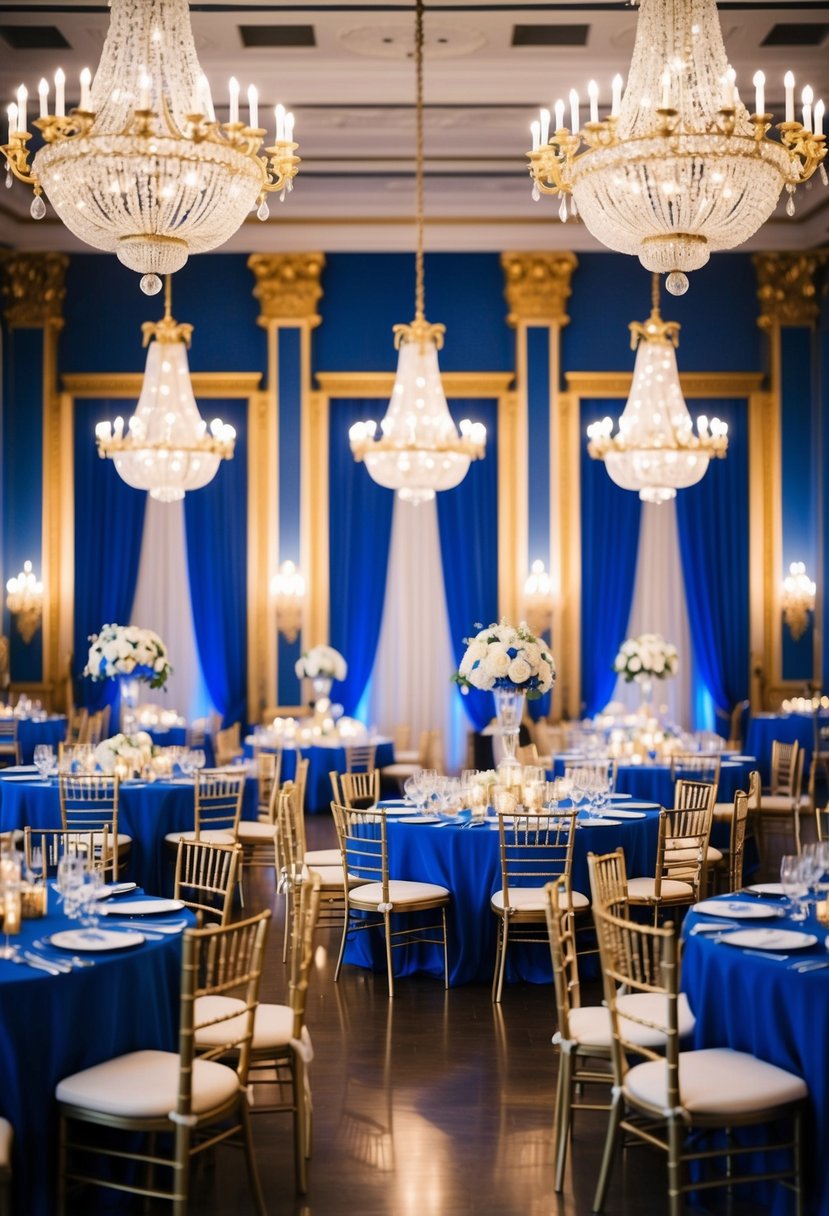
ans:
x=441 y=1100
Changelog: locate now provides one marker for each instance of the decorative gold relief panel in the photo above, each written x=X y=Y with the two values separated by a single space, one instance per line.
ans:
x=34 y=288
x=537 y=286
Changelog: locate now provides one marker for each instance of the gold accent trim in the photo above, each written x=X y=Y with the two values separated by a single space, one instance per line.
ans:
x=694 y=384
x=786 y=288
x=315 y=511
x=537 y=286
x=261 y=656
x=128 y=384
x=512 y=513
x=287 y=286
x=34 y=288
x=568 y=434
x=58 y=518
x=380 y=384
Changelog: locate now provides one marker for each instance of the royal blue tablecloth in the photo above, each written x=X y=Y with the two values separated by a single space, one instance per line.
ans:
x=30 y=732
x=759 y=1005
x=652 y=782
x=323 y=760
x=53 y=1026
x=786 y=728
x=146 y=812
x=467 y=862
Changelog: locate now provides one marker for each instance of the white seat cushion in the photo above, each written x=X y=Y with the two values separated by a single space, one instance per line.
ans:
x=273 y=1025
x=591 y=1025
x=778 y=803
x=643 y=888
x=144 y=1084
x=400 y=892
x=323 y=857
x=534 y=899
x=6 y=1138
x=397 y=772
x=717 y=1081
x=329 y=876
x=210 y=835
x=123 y=839
x=253 y=832
x=724 y=811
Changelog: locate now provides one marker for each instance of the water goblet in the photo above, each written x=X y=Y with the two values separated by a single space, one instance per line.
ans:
x=795 y=885
x=411 y=789
x=10 y=898
x=44 y=756
x=199 y=759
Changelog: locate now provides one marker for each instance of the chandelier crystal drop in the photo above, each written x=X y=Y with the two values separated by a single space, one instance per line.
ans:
x=419 y=450
x=167 y=448
x=679 y=168
x=655 y=450
x=141 y=167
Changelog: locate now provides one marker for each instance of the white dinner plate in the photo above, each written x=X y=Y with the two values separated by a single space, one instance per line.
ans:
x=619 y=813
x=142 y=907
x=766 y=888
x=618 y=797
x=596 y=822
x=418 y=819
x=116 y=888
x=742 y=759
x=640 y=806
x=95 y=940
x=769 y=939
x=30 y=777
x=738 y=909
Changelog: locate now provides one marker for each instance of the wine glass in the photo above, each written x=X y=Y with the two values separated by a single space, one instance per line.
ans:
x=794 y=881
x=89 y=894
x=11 y=900
x=199 y=759
x=44 y=757
x=70 y=877
x=411 y=789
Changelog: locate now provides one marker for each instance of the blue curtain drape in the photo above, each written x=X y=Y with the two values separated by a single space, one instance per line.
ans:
x=215 y=520
x=360 y=514
x=609 y=542
x=713 y=522
x=109 y=521
x=468 y=525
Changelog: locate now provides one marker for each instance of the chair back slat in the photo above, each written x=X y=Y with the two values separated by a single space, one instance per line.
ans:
x=360 y=758
x=218 y=800
x=701 y=767
x=268 y=775
x=363 y=844
x=44 y=847
x=89 y=801
x=360 y=790
x=306 y=915
x=206 y=877
x=535 y=849
x=608 y=881
x=562 y=936
x=736 y=846
x=784 y=757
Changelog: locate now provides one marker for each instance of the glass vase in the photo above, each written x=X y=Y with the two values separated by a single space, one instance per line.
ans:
x=509 y=709
x=645 y=692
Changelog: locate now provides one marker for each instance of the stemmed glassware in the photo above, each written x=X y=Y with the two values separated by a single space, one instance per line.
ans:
x=11 y=900
x=794 y=879
x=44 y=759
x=411 y=789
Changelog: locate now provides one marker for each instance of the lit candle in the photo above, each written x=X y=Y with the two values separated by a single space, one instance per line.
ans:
x=617 y=95
x=253 y=106
x=559 y=109
x=788 y=81
x=233 y=89
x=11 y=110
x=820 y=110
x=22 y=98
x=545 y=127
x=807 y=97
x=728 y=91
x=206 y=102
x=279 y=114
x=535 y=128
x=43 y=95
x=86 y=81
x=666 y=90
x=289 y=127
x=759 y=93
x=593 y=94
x=574 y=111
x=60 y=94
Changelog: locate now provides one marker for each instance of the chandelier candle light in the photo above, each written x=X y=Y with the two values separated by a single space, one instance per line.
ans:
x=24 y=600
x=798 y=599
x=167 y=448
x=679 y=168
x=141 y=166
x=418 y=451
x=655 y=450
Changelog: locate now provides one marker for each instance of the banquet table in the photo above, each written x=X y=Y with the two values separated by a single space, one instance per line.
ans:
x=777 y=1014
x=763 y=729
x=53 y=1026
x=467 y=862
x=323 y=759
x=31 y=731
x=652 y=782
x=147 y=811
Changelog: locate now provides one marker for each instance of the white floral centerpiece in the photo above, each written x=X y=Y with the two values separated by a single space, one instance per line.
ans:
x=507 y=657
x=648 y=657
x=128 y=651
x=131 y=752
x=321 y=663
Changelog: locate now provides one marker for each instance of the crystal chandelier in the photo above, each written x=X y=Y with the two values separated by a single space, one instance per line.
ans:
x=167 y=448
x=288 y=591
x=798 y=599
x=419 y=450
x=655 y=450
x=24 y=600
x=141 y=167
x=679 y=168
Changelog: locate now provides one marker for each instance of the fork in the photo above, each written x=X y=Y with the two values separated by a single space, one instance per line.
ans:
x=140 y=926
x=39 y=966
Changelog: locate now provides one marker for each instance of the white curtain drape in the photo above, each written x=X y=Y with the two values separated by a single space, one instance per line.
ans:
x=659 y=607
x=162 y=603
x=410 y=682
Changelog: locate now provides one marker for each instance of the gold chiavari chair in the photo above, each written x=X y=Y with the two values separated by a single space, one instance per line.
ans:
x=723 y=811
x=301 y=779
x=689 y=795
x=95 y=728
x=295 y=870
x=268 y=774
x=44 y=847
x=535 y=850
x=227 y=745
x=608 y=881
x=697 y=766
x=206 y=877
x=360 y=758
x=77 y=726
x=218 y=797
x=89 y=803
x=679 y=873
x=258 y=836
x=189 y=1094
x=360 y=790
x=378 y=898
x=778 y=821
x=667 y=1099
x=9 y=746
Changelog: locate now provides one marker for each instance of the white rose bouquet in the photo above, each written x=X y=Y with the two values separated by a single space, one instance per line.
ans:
x=321 y=662
x=132 y=750
x=127 y=650
x=647 y=657
x=506 y=656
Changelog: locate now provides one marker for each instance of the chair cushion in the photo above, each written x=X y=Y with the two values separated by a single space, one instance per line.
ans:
x=329 y=876
x=724 y=811
x=273 y=1025
x=144 y=1084
x=397 y=772
x=124 y=841
x=253 y=831
x=533 y=899
x=590 y=1025
x=6 y=1138
x=323 y=857
x=717 y=1081
x=643 y=888
x=400 y=892
x=211 y=835
x=778 y=804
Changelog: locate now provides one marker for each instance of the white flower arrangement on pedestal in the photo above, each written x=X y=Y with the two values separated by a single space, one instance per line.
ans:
x=648 y=657
x=507 y=657
x=130 y=751
x=127 y=650
x=321 y=662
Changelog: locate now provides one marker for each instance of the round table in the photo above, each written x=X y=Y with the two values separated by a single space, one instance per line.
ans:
x=53 y=1026
x=147 y=811
x=467 y=862
x=759 y=1005
x=652 y=782
x=763 y=729
x=322 y=760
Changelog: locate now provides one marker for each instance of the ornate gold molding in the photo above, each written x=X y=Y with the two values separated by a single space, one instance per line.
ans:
x=128 y=384
x=34 y=288
x=380 y=384
x=287 y=286
x=261 y=640
x=786 y=288
x=694 y=384
x=537 y=286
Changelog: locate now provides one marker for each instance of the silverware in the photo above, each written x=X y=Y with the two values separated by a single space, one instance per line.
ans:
x=71 y=958
x=712 y=926
x=814 y=964
x=40 y=966
x=62 y=965
x=138 y=926
x=779 y=958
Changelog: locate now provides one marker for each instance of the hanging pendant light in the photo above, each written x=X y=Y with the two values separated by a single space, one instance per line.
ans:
x=419 y=450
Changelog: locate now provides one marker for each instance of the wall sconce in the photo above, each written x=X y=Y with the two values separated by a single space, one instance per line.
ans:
x=538 y=598
x=798 y=599
x=288 y=590
x=25 y=601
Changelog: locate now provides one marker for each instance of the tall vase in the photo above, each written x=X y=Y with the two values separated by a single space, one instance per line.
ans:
x=645 y=692
x=322 y=688
x=509 y=708
x=129 y=687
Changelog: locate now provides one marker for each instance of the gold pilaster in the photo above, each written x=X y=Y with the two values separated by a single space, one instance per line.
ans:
x=537 y=286
x=786 y=288
x=34 y=288
x=288 y=286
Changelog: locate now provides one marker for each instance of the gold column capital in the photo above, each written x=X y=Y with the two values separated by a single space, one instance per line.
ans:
x=287 y=286
x=787 y=288
x=537 y=286
x=34 y=288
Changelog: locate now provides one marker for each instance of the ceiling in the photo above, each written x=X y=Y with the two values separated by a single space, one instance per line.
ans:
x=349 y=80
